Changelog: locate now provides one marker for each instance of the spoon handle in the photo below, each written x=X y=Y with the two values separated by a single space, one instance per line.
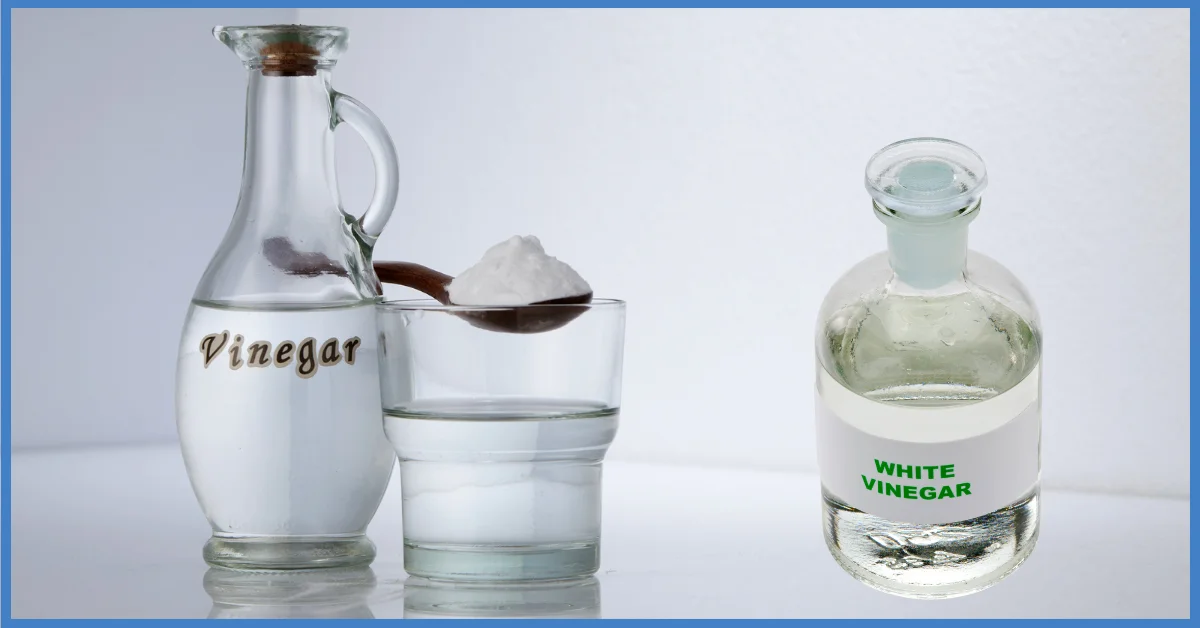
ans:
x=417 y=277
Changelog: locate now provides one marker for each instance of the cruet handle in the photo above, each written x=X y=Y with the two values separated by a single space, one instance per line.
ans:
x=383 y=153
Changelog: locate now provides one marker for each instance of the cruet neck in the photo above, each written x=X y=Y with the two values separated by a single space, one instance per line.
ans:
x=289 y=139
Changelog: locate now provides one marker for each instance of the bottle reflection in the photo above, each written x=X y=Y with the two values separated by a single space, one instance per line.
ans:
x=559 y=599
x=321 y=593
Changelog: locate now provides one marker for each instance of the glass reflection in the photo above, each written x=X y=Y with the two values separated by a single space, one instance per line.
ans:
x=322 y=593
x=559 y=599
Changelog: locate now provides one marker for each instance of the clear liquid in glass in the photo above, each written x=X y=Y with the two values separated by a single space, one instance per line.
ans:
x=501 y=489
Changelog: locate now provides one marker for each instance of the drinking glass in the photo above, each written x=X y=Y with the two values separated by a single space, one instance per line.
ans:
x=501 y=436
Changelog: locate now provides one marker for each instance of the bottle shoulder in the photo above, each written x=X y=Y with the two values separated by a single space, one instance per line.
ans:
x=965 y=341
x=288 y=263
x=1001 y=284
x=873 y=279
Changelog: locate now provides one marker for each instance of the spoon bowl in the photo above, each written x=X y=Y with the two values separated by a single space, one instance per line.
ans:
x=534 y=318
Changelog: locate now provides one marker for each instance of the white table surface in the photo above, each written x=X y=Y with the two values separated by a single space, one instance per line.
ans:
x=117 y=533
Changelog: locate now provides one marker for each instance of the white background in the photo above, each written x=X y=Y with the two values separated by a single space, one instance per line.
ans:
x=704 y=165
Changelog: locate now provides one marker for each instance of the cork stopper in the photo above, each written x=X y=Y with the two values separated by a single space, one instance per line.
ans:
x=289 y=58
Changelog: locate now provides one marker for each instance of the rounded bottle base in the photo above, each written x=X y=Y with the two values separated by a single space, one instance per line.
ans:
x=931 y=561
x=270 y=553
x=501 y=563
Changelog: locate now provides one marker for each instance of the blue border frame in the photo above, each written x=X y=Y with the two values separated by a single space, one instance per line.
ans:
x=605 y=4
x=6 y=320
x=7 y=6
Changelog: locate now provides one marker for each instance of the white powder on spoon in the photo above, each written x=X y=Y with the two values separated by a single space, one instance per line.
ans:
x=516 y=272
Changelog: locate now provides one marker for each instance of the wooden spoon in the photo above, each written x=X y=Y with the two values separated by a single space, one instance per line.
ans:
x=524 y=319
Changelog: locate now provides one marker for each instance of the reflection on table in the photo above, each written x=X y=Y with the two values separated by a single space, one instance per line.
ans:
x=559 y=599
x=320 y=593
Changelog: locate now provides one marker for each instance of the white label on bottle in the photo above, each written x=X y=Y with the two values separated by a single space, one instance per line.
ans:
x=931 y=481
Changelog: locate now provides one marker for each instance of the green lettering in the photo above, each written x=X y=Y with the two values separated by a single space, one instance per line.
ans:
x=890 y=490
x=947 y=491
x=910 y=492
x=963 y=489
x=931 y=471
x=947 y=471
x=904 y=471
x=868 y=482
x=884 y=467
x=928 y=492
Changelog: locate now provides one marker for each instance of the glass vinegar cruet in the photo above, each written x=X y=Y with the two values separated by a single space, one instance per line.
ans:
x=277 y=388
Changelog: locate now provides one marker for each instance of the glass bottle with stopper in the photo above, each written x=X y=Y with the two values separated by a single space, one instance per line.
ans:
x=277 y=391
x=928 y=390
